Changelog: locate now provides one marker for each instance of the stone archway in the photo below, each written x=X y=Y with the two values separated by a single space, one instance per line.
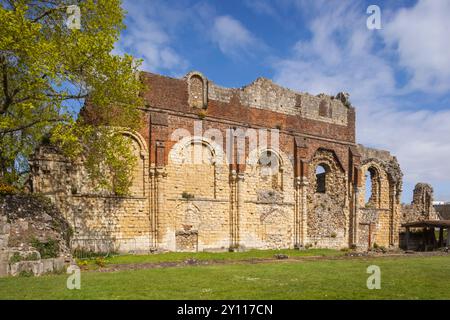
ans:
x=377 y=205
x=196 y=195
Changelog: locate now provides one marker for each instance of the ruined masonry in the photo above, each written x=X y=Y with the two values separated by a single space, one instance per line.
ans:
x=316 y=197
x=24 y=218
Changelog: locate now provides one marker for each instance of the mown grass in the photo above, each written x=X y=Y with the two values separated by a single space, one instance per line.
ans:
x=401 y=278
x=214 y=256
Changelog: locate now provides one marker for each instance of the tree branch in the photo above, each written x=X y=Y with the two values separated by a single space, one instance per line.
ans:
x=48 y=12
x=31 y=124
x=68 y=96
x=8 y=100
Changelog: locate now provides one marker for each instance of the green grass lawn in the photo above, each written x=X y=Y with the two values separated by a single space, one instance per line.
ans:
x=401 y=278
x=215 y=256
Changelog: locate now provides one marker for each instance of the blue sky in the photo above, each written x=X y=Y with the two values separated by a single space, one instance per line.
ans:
x=398 y=77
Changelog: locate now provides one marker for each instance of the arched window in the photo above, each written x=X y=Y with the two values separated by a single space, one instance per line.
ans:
x=270 y=169
x=196 y=93
x=372 y=188
x=197 y=87
x=321 y=179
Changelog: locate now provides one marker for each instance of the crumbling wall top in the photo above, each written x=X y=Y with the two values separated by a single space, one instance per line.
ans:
x=263 y=93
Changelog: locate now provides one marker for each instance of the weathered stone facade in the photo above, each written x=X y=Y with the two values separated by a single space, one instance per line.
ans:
x=421 y=208
x=216 y=203
x=379 y=218
x=25 y=219
x=443 y=211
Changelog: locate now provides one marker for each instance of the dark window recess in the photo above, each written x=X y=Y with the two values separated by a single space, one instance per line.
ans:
x=325 y=109
x=321 y=180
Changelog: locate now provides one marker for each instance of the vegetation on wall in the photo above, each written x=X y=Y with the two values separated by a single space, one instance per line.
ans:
x=47 y=249
x=6 y=190
x=48 y=70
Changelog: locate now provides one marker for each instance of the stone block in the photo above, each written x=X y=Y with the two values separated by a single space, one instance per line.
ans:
x=47 y=265
x=4 y=256
x=23 y=225
x=29 y=255
x=4 y=269
x=59 y=264
x=5 y=228
x=33 y=267
x=4 y=239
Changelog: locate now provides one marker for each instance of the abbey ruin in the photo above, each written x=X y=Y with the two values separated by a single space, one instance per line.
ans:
x=312 y=192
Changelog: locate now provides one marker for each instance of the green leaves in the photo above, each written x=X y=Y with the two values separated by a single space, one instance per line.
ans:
x=117 y=160
x=106 y=153
x=47 y=70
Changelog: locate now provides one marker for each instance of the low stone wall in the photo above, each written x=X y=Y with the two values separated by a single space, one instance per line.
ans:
x=36 y=268
x=30 y=263
x=34 y=217
x=4 y=238
x=373 y=227
x=28 y=222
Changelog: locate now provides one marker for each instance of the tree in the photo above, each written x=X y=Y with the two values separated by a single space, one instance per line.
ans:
x=49 y=67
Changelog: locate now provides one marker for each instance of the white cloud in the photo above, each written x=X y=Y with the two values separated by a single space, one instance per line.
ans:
x=420 y=37
x=261 y=7
x=337 y=58
x=154 y=27
x=148 y=36
x=233 y=38
x=343 y=55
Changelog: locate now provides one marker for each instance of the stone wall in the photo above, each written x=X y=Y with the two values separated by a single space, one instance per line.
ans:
x=4 y=239
x=100 y=220
x=216 y=203
x=328 y=211
x=24 y=221
x=421 y=208
x=264 y=94
x=443 y=211
x=378 y=207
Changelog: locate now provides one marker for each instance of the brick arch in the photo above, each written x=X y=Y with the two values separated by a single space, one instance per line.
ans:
x=320 y=151
x=254 y=156
x=266 y=178
x=139 y=181
x=136 y=136
x=217 y=152
x=197 y=89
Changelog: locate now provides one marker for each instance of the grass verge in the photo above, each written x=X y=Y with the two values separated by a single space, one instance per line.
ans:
x=401 y=278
